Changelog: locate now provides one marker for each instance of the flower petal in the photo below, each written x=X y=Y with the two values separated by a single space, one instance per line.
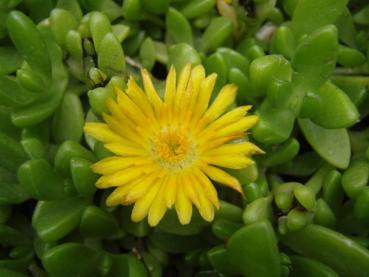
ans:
x=182 y=84
x=245 y=147
x=123 y=176
x=207 y=186
x=171 y=191
x=183 y=206
x=223 y=121
x=151 y=93
x=240 y=126
x=206 y=209
x=222 y=177
x=141 y=188
x=142 y=206
x=235 y=161
x=124 y=150
x=170 y=86
x=206 y=89
x=102 y=132
x=138 y=97
x=225 y=98
x=118 y=195
x=158 y=207
x=111 y=165
x=189 y=187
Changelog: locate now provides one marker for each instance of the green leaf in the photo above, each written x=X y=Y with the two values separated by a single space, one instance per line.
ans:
x=11 y=273
x=315 y=57
x=61 y=22
x=178 y=28
x=12 y=194
x=127 y=265
x=12 y=153
x=182 y=54
x=10 y=60
x=68 y=119
x=28 y=41
x=68 y=150
x=333 y=145
x=148 y=53
x=99 y=27
x=83 y=178
x=110 y=56
x=71 y=259
x=12 y=94
x=253 y=250
x=310 y=15
x=275 y=125
x=196 y=8
x=265 y=70
x=96 y=222
x=176 y=244
x=10 y=236
x=39 y=179
x=171 y=224
x=35 y=113
x=52 y=220
x=319 y=243
x=305 y=267
x=332 y=109
x=218 y=31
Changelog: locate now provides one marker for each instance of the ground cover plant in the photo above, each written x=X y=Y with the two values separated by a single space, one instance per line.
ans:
x=184 y=138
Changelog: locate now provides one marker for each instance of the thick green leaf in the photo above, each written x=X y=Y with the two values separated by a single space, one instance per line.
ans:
x=330 y=247
x=310 y=15
x=253 y=250
x=71 y=259
x=333 y=145
x=52 y=220
x=68 y=119
x=315 y=58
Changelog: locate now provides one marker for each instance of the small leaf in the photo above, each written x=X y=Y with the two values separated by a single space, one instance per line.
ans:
x=333 y=145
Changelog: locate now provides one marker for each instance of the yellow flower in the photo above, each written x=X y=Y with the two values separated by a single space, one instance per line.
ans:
x=167 y=151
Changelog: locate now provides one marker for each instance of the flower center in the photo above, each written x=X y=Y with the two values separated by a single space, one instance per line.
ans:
x=173 y=150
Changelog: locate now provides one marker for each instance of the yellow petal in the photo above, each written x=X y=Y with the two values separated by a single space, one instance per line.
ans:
x=222 y=177
x=206 y=209
x=123 y=150
x=131 y=110
x=112 y=164
x=142 y=206
x=171 y=191
x=239 y=126
x=158 y=208
x=102 y=132
x=225 y=98
x=225 y=120
x=138 y=97
x=190 y=190
x=182 y=84
x=170 y=86
x=193 y=89
x=197 y=76
x=124 y=130
x=117 y=112
x=141 y=188
x=208 y=187
x=206 y=89
x=118 y=195
x=121 y=177
x=245 y=147
x=151 y=93
x=183 y=206
x=235 y=161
